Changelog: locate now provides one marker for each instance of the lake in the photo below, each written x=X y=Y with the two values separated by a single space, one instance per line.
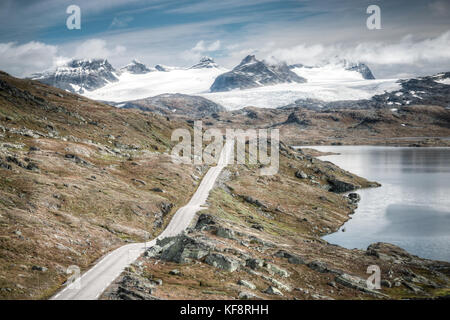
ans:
x=412 y=207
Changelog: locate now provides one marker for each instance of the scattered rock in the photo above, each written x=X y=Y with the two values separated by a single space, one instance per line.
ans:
x=273 y=291
x=245 y=295
x=39 y=268
x=175 y=272
x=273 y=269
x=301 y=175
x=139 y=181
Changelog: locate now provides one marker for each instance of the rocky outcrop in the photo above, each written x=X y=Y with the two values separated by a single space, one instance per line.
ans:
x=133 y=287
x=180 y=249
x=357 y=283
x=340 y=186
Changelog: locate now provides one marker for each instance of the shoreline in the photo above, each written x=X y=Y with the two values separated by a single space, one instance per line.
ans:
x=324 y=154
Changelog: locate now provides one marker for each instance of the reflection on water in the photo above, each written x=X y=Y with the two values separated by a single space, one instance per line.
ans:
x=412 y=207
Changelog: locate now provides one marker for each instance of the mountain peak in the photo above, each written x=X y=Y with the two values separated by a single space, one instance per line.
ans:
x=205 y=63
x=79 y=75
x=252 y=73
x=360 y=67
x=248 y=60
x=136 y=67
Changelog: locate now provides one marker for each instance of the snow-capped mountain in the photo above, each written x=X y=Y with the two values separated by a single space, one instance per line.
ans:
x=135 y=67
x=205 y=62
x=251 y=83
x=193 y=80
x=253 y=73
x=80 y=75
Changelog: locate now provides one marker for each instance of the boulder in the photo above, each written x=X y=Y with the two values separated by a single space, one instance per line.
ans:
x=273 y=269
x=223 y=262
x=354 y=197
x=254 y=263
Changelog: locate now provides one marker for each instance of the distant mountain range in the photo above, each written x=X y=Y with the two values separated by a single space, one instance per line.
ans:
x=252 y=82
x=81 y=75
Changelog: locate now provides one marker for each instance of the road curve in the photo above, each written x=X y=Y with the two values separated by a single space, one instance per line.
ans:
x=94 y=281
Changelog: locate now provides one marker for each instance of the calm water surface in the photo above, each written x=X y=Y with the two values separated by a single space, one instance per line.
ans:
x=412 y=207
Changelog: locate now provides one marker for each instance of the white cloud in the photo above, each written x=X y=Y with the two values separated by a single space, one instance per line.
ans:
x=429 y=53
x=24 y=59
x=202 y=47
x=98 y=48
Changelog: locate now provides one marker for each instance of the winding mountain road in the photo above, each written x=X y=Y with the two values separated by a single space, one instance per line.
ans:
x=94 y=281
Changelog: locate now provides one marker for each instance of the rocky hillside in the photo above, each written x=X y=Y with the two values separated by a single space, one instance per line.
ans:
x=174 y=105
x=252 y=73
x=260 y=239
x=77 y=179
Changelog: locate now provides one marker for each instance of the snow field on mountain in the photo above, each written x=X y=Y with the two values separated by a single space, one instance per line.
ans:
x=284 y=94
x=326 y=83
x=139 y=86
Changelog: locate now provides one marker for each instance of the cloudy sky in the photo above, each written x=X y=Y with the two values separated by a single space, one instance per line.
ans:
x=414 y=38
